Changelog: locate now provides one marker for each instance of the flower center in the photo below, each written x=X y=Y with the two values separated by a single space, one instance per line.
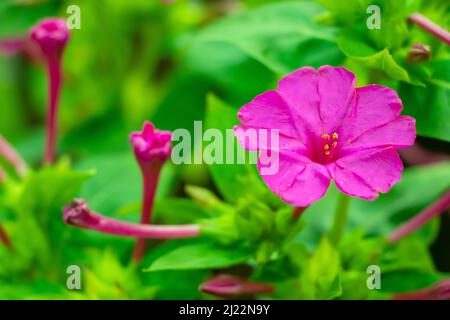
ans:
x=330 y=143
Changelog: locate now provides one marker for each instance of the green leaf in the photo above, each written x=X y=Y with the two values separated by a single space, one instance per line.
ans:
x=360 y=51
x=409 y=280
x=320 y=277
x=282 y=36
x=37 y=206
x=178 y=211
x=118 y=183
x=411 y=253
x=46 y=191
x=18 y=18
x=430 y=105
x=233 y=180
x=200 y=255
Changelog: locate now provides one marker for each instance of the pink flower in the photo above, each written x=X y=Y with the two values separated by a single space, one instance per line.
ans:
x=152 y=148
x=51 y=35
x=328 y=130
x=151 y=143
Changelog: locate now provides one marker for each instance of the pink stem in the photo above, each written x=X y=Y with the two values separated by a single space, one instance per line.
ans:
x=430 y=27
x=4 y=238
x=54 y=76
x=230 y=286
x=422 y=218
x=10 y=155
x=150 y=174
x=78 y=214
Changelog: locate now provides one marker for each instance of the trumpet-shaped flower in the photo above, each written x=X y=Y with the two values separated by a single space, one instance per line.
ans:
x=51 y=36
x=152 y=148
x=150 y=143
x=328 y=129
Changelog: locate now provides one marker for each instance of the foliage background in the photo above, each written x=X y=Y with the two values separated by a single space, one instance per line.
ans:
x=202 y=60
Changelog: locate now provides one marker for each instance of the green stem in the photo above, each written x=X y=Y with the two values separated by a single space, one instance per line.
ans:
x=340 y=218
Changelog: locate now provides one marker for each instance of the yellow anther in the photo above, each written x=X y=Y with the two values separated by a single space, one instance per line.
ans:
x=334 y=144
x=326 y=147
x=325 y=137
x=335 y=136
x=327 y=153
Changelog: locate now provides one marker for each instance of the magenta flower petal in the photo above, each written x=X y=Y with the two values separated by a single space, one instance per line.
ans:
x=254 y=139
x=151 y=143
x=299 y=89
x=336 y=88
x=368 y=172
x=51 y=35
x=328 y=129
x=365 y=113
x=398 y=133
x=298 y=181
x=255 y=113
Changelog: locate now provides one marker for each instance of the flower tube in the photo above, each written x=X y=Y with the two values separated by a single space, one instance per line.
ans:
x=51 y=35
x=152 y=148
x=78 y=214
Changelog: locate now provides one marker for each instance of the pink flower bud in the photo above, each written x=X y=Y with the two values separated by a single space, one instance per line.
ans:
x=150 y=143
x=51 y=35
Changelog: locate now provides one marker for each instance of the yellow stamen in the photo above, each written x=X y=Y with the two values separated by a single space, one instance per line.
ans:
x=325 y=137
x=335 y=136
x=327 y=153
x=326 y=147
x=334 y=144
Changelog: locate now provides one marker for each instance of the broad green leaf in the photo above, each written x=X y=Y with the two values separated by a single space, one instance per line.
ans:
x=178 y=210
x=411 y=253
x=233 y=180
x=409 y=280
x=200 y=255
x=282 y=36
x=360 y=51
x=18 y=18
x=430 y=105
x=107 y=278
x=118 y=183
x=46 y=191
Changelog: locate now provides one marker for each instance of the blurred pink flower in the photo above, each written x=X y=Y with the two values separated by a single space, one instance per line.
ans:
x=51 y=36
x=151 y=143
x=329 y=130
x=229 y=286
